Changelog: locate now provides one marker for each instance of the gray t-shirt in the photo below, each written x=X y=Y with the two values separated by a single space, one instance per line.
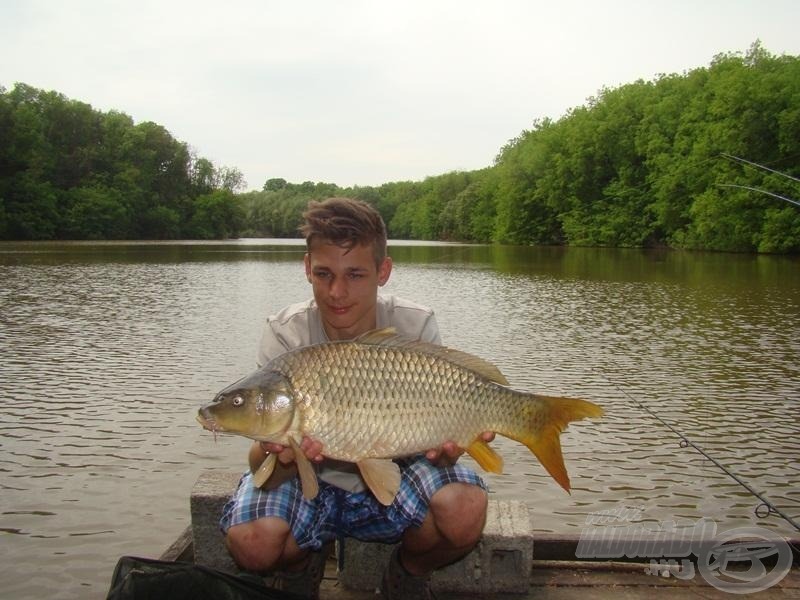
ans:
x=300 y=325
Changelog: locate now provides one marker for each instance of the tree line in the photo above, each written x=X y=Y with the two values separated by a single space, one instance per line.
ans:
x=647 y=164
x=68 y=171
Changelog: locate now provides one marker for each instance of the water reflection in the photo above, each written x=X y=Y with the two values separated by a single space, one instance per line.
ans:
x=108 y=349
x=608 y=264
x=55 y=253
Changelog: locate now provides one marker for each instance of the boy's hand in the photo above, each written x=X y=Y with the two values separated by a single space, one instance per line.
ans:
x=311 y=448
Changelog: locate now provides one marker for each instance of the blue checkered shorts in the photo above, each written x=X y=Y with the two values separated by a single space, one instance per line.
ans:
x=336 y=512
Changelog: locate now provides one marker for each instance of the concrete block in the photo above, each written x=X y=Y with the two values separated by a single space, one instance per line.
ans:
x=364 y=563
x=501 y=563
x=209 y=494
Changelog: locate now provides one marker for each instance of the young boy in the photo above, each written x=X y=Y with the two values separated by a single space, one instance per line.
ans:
x=440 y=510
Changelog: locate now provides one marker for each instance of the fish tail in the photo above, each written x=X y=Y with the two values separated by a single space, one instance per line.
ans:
x=543 y=421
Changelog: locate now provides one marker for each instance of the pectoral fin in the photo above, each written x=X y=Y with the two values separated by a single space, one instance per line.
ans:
x=308 y=477
x=272 y=473
x=382 y=476
x=487 y=458
x=262 y=473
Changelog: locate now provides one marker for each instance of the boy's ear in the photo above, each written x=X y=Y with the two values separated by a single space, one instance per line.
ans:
x=307 y=263
x=384 y=271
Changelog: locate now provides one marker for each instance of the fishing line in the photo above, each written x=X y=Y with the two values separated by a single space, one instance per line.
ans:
x=762 y=510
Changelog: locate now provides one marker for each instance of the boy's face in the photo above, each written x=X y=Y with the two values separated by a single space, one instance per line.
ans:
x=345 y=284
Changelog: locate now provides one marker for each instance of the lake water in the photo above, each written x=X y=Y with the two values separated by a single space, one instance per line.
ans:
x=107 y=350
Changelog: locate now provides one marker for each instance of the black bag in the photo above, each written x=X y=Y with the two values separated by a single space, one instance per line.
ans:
x=148 y=579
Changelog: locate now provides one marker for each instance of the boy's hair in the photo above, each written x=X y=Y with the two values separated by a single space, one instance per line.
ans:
x=345 y=222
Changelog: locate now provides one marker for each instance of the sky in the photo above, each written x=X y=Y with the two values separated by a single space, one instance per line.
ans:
x=357 y=92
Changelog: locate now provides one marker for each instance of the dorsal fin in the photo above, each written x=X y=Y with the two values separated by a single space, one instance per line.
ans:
x=388 y=336
x=379 y=337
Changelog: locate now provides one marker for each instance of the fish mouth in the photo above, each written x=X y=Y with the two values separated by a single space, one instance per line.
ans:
x=208 y=423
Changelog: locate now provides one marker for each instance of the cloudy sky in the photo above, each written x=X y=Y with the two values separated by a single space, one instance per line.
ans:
x=359 y=92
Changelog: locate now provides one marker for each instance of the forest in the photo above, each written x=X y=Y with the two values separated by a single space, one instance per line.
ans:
x=708 y=159
x=68 y=171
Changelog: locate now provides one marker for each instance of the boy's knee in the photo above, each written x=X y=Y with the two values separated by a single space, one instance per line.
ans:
x=459 y=511
x=257 y=545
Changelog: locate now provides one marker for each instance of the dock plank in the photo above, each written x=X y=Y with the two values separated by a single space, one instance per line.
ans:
x=564 y=580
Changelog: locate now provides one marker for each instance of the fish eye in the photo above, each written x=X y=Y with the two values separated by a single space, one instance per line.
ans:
x=237 y=400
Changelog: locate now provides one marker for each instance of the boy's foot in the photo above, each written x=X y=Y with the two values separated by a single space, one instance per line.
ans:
x=399 y=584
x=305 y=582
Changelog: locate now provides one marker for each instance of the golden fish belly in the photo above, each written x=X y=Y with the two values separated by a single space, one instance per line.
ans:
x=366 y=401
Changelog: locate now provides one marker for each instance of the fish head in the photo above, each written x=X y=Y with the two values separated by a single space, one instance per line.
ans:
x=260 y=406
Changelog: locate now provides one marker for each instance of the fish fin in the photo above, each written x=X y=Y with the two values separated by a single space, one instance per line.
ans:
x=487 y=458
x=468 y=361
x=308 y=476
x=544 y=441
x=263 y=473
x=382 y=477
x=280 y=474
x=388 y=336
x=379 y=337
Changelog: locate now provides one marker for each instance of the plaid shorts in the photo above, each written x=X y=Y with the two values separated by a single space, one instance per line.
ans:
x=336 y=512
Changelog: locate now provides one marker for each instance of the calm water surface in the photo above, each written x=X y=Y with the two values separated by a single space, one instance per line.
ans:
x=107 y=350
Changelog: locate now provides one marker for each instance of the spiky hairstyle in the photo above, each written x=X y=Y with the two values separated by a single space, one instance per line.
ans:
x=345 y=222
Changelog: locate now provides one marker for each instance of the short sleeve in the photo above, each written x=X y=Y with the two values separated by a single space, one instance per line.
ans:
x=270 y=345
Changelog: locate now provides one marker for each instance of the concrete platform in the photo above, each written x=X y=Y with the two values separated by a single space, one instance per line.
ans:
x=502 y=567
x=210 y=493
x=497 y=565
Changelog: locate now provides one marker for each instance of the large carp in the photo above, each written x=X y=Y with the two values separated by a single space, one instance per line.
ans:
x=382 y=396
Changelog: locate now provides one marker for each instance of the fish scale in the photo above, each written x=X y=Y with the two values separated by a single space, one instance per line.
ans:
x=378 y=402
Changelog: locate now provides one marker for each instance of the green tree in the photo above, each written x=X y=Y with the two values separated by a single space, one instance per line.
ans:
x=67 y=170
x=216 y=215
x=641 y=165
x=231 y=179
x=203 y=176
x=31 y=209
x=780 y=232
x=97 y=213
x=274 y=185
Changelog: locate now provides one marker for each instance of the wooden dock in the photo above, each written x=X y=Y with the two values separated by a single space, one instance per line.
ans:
x=598 y=581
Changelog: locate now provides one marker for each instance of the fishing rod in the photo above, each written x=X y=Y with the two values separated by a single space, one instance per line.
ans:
x=747 y=187
x=685 y=442
x=755 y=164
x=754 y=189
